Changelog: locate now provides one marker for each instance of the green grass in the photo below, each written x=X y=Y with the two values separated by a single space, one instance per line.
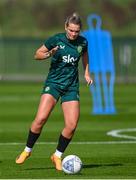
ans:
x=18 y=106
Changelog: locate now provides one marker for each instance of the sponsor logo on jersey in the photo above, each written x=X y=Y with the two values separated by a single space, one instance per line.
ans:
x=69 y=59
x=61 y=46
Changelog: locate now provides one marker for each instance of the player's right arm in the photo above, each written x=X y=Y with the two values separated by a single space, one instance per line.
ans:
x=43 y=52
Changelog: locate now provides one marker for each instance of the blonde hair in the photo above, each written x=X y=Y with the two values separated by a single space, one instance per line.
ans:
x=74 y=19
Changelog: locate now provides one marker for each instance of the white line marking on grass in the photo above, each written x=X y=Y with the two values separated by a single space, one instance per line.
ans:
x=74 y=143
x=116 y=133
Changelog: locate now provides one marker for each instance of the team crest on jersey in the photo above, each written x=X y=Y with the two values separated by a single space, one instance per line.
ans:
x=79 y=49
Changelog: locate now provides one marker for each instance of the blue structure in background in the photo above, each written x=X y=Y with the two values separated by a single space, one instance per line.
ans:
x=101 y=65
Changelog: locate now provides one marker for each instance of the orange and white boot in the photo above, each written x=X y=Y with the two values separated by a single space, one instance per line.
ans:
x=57 y=162
x=22 y=157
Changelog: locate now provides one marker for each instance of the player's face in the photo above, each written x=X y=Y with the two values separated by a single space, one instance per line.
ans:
x=72 y=31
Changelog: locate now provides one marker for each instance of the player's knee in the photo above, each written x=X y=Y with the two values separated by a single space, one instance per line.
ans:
x=71 y=127
x=40 y=122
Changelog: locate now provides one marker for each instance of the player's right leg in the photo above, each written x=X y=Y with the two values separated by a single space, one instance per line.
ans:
x=46 y=105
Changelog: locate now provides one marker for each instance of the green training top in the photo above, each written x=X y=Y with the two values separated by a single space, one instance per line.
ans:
x=64 y=63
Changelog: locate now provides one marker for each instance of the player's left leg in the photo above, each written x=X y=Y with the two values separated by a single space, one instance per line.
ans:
x=71 y=111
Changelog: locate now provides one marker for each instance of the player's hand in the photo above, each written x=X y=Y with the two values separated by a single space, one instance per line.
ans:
x=53 y=51
x=88 y=79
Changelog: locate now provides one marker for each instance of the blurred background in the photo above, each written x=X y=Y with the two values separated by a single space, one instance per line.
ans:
x=25 y=25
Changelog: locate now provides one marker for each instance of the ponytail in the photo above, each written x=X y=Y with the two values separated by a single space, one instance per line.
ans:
x=74 y=19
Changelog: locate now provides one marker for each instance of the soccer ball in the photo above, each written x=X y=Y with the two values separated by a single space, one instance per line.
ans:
x=71 y=164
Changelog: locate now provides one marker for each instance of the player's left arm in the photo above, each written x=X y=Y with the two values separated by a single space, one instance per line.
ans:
x=86 y=69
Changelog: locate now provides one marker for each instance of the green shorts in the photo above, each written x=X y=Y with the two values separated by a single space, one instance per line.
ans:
x=69 y=94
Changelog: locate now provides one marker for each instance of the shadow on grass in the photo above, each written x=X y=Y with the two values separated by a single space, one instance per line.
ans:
x=38 y=168
x=100 y=165
x=84 y=166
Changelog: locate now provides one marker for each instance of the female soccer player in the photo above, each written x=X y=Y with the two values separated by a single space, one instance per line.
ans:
x=62 y=82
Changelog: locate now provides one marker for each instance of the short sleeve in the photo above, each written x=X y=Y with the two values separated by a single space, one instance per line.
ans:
x=50 y=42
x=85 y=46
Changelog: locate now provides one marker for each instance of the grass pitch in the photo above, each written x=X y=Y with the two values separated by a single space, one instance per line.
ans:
x=103 y=156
